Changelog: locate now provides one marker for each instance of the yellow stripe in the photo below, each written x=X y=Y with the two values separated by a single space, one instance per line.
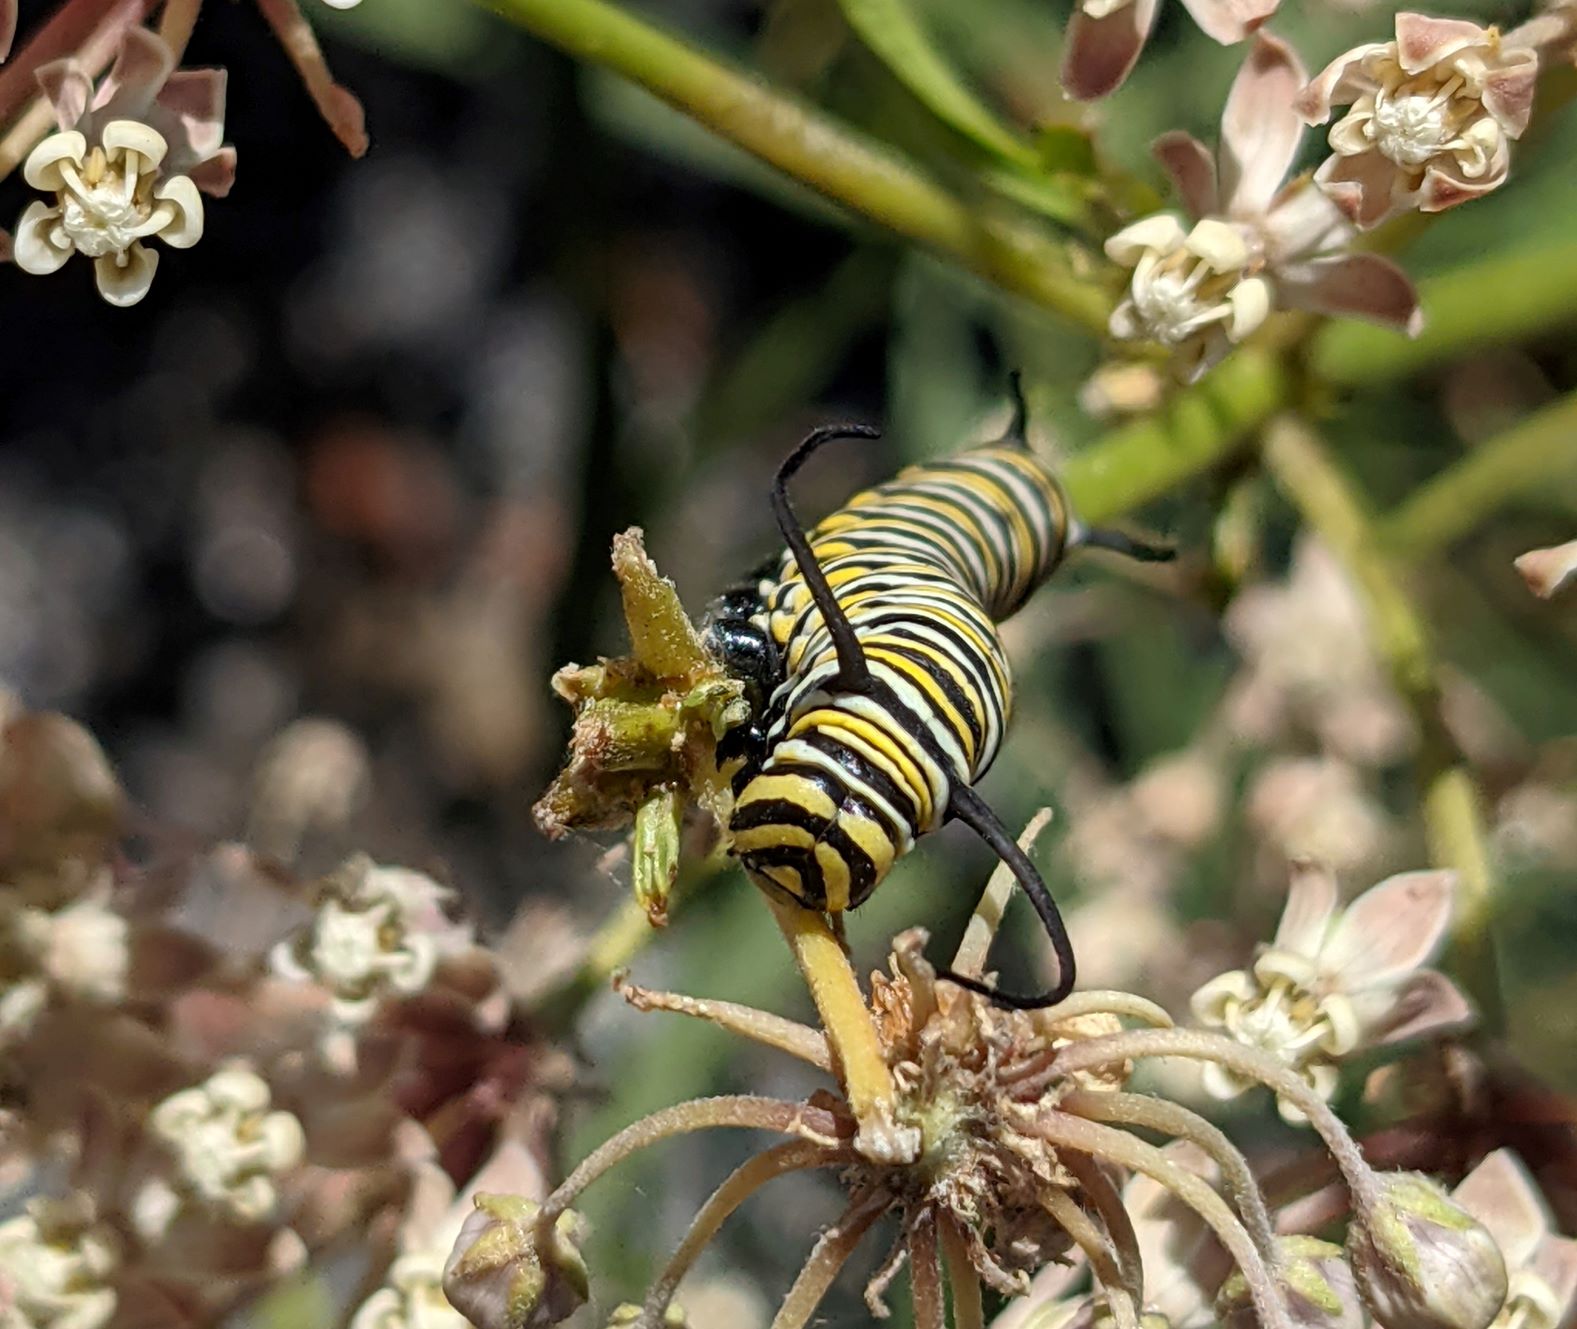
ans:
x=834 y=878
x=796 y=789
x=777 y=835
x=870 y=837
x=881 y=747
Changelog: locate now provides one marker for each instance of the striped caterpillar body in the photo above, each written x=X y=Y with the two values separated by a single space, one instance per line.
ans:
x=880 y=688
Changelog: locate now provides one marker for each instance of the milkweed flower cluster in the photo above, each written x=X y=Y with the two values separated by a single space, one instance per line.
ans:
x=192 y=1118
x=1022 y=1126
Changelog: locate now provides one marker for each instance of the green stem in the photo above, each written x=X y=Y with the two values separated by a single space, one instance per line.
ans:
x=1199 y=428
x=1452 y=816
x=818 y=151
x=1535 y=452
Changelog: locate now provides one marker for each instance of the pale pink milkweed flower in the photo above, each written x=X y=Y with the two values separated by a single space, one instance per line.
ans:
x=1430 y=116
x=1257 y=243
x=1105 y=37
x=126 y=166
x=1334 y=981
x=1540 y=1265
x=1548 y=570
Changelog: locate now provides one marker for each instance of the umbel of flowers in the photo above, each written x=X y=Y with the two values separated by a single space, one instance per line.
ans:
x=1013 y=1130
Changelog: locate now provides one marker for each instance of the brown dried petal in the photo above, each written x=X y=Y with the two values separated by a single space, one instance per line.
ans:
x=1192 y=170
x=1367 y=286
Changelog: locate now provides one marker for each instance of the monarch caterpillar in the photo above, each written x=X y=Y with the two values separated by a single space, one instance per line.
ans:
x=879 y=686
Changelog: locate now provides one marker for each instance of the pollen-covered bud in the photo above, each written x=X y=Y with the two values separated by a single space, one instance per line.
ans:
x=506 y=1273
x=1422 y=1261
x=1316 y=1284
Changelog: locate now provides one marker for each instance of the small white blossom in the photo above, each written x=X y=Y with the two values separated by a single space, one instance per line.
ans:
x=79 y=951
x=1430 y=119
x=1335 y=981
x=127 y=166
x=229 y=1149
x=379 y=932
x=56 y=1262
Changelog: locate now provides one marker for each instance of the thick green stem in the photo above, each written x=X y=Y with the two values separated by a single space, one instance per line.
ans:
x=1199 y=428
x=1535 y=452
x=1452 y=817
x=819 y=151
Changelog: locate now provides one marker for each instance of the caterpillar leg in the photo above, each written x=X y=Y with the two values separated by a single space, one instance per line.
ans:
x=968 y=807
x=853 y=675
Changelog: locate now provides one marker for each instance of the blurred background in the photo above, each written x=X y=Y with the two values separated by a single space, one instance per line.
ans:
x=326 y=510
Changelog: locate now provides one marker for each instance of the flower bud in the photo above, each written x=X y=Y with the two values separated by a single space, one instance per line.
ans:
x=1422 y=1262
x=630 y=1316
x=505 y=1272
x=1315 y=1283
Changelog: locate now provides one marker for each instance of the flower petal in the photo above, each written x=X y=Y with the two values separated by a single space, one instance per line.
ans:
x=1363 y=187
x=1219 y=243
x=1162 y=232
x=141 y=66
x=1251 y=301
x=216 y=175
x=1311 y=901
x=195 y=100
x=123 y=279
x=1508 y=91
x=1422 y=40
x=1501 y=1195
x=1099 y=52
x=1389 y=930
x=134 y=136
x=1443 y=188
x=1547 y=570
x=1192 y=170
x=35 y=251
x=1230 y=21
x=1259 y=128
x=1428 y=1003
x=1302 y=222
x=1338 y=84
x=1556 y=1263
x=68 y=89
x=7 y=26
x=1355 y=285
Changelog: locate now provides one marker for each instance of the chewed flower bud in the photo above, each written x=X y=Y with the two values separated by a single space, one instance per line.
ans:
x=506 y=1273
x=1422 y=1261
x=1317 y=1286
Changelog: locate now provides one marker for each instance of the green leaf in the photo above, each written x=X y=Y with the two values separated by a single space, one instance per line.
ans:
x=892 y=32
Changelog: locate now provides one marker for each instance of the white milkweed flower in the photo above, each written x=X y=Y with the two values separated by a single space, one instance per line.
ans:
x=1541 y=1266
x=129 y=164
x=1256 y=242
x=229 y=1148
x=1335 y=981
x=79 y=951
x=56 y=1265
x=1430 y=118
x=378 y=932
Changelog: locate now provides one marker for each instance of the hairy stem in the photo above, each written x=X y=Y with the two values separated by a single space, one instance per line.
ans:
x=798 y=1040
x=1248 y=1062
x=742 y=1183
x=819 y=151
x=1108 y=1202
x=1107 y=1269
x=867 y=1083
x=968 y=1311
x=1091 y=1137
x=827 y=1258
x=925 y=1273
x=1453 y=820
x=747 y=1111
x=1156 y=1114
x=1535 y=452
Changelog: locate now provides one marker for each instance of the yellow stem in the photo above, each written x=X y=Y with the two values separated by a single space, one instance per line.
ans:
x=857 y=1053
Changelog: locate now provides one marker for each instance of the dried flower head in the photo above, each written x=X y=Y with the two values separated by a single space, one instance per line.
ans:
x=1106 y=37
x=1333 y=981
x=1430 y=117
x=130 y=163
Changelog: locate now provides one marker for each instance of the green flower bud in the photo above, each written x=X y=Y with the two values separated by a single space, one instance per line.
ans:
x=1315 y=1282
x=1423 y=1262
x=505 y=1272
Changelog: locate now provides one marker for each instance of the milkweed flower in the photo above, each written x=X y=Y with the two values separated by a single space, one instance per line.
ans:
x=1256 y=243
x=1541 y=1265
x=1547 y=570
x=1105 y=37
x=1430 y=117
x=129 y=164
x=1333 y=981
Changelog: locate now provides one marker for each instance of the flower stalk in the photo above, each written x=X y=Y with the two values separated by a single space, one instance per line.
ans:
x=1453 y=818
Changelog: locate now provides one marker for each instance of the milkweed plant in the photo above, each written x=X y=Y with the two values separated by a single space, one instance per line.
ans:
x=242 y=1090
